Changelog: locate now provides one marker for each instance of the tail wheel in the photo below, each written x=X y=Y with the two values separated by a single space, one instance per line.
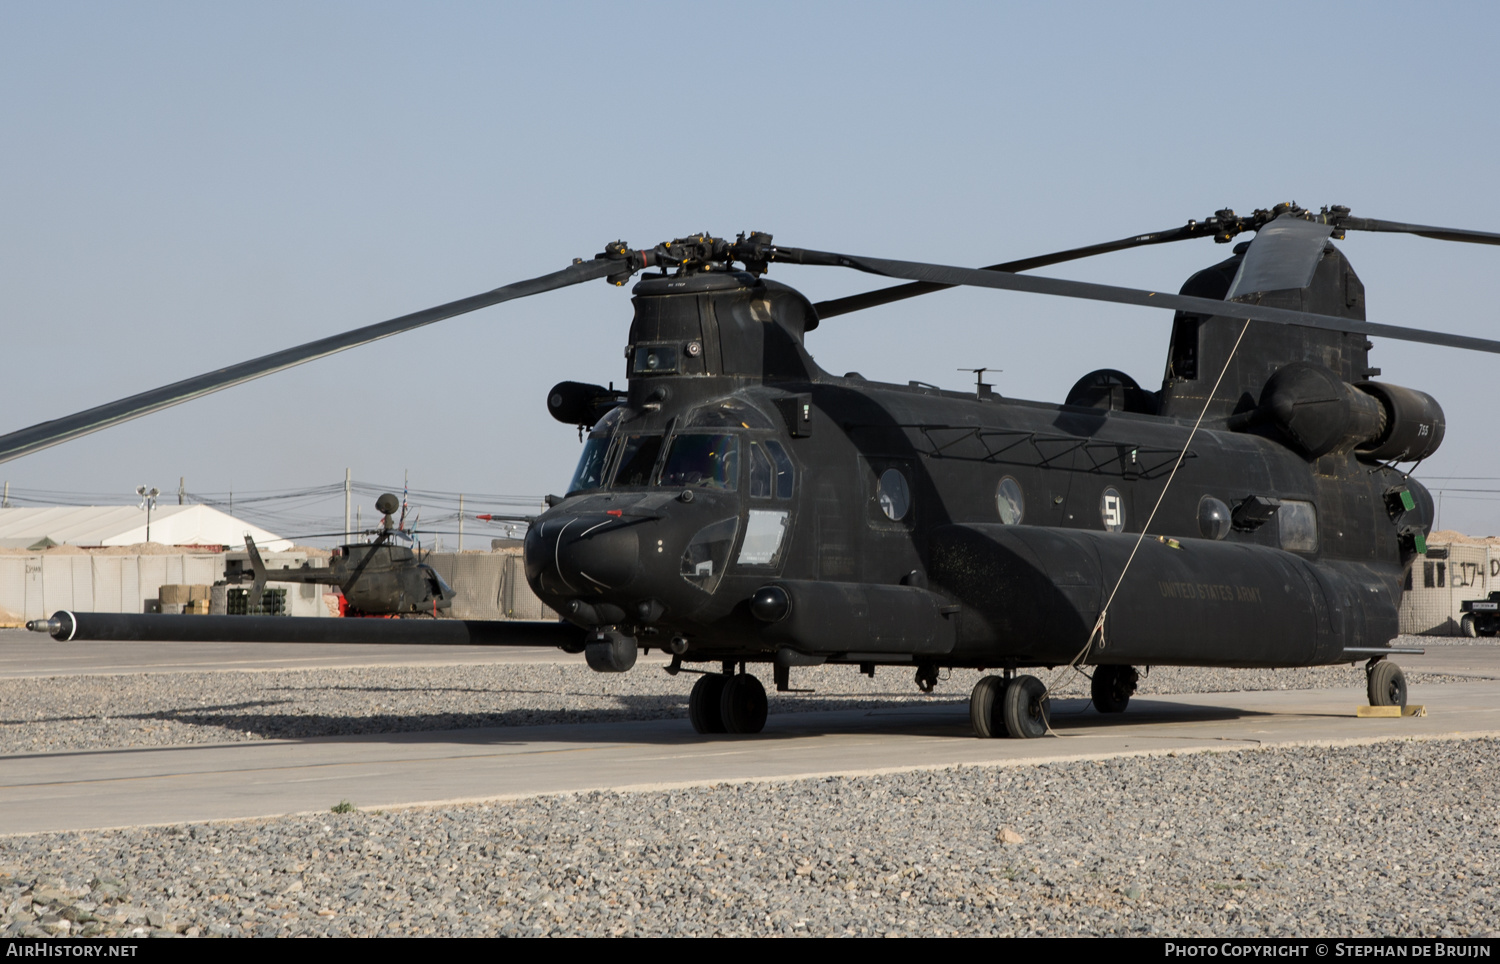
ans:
x=984 y=708
x=1387 y=684
x=742 y=705
x=1025 y=708
x=704 y=701
x=1112 y=687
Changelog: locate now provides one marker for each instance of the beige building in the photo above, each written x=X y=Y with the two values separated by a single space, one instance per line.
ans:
x=1438 y=582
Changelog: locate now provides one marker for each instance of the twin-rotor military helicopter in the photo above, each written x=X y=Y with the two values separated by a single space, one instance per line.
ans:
x=738 y=506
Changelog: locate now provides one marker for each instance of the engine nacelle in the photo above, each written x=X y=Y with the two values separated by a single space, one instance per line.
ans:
x=1317 y=410
x=1414 y=424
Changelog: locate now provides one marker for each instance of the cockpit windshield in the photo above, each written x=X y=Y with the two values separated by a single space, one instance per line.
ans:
x=595 y=457
x=638 y=459
x=703 y=461
x=590 y=472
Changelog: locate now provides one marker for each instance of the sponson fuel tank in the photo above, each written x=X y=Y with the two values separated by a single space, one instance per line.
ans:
x=1039 y=591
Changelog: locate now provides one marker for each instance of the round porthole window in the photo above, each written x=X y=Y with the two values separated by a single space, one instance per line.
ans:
x=893 y=495
x=1213 y=518
x=1112 y=510
x=1010 y=501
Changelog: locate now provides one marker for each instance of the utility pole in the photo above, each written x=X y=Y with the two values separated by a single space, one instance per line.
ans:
x=346 y=505
x=5 y=501
x=181 y=489
x=460 y=522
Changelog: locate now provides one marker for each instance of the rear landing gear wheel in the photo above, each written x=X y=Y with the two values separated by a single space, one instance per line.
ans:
x=743 y=704
x=1025 y=708
x=1387 y=684
x=704 y=703
x=984 y=708
x=1112 y=687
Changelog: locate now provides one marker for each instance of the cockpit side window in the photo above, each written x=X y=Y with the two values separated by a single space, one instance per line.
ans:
x=590 y=472
x=770 y=470
x=703 y=461
x=785 y=475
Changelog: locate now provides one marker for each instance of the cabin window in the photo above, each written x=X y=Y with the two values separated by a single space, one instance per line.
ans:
x=638 y=459
x=704 y=462
x=893 y=495
x=1010 y=501
x=1298 y=525
x=764 y=532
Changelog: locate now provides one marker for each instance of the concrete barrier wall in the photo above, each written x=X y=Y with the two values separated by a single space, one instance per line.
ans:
x=489 y=585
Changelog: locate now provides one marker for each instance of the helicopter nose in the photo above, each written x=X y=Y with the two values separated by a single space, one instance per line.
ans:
x=582 y=554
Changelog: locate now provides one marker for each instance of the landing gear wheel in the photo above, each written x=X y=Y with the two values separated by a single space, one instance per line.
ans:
x=703 y=704
x=1470 y=628
x=743 y=704
x=1387 y=684
x=984 y=708
x=1025 y=708
x=1112 y=687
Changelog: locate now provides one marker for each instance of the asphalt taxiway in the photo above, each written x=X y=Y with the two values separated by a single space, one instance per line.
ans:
x=127 y=787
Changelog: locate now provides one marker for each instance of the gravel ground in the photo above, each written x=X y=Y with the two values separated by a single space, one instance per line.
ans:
x=1391 y=839
x=1395 y=839
x=162 y=709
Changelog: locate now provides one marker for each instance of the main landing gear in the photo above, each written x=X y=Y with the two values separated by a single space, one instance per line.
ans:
x=1112 y=687
x=1016 y=707
x=727 y=703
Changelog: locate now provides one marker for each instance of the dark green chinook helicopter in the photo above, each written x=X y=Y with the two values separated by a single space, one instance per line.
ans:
x=376 y=578
x=740 y=506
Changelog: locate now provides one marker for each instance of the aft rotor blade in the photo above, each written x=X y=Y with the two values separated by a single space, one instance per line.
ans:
x=46 y=434
x=1397 y=227
x=886 y=296
x=980 y=278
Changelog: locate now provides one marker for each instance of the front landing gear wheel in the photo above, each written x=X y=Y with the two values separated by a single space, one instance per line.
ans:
x=743 y=704
x=1387 y=684
x=984 y=708
x=703 y=703
x=1025 y=708
x=1112 y=687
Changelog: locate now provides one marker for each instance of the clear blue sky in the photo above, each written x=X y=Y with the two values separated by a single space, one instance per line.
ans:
x=186 y=185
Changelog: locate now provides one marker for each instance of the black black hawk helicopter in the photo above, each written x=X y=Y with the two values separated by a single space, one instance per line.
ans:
x=377 y=578
x=741 y=506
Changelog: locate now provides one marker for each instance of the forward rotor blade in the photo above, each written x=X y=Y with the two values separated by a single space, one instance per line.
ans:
x=1397 y=227
x=980 y=278
x=886 y=296
x=46 y=434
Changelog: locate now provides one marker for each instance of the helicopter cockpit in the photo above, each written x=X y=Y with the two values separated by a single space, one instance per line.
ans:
x=704 y=452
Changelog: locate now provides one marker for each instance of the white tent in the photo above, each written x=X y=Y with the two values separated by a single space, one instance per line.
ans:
x=124 y=525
